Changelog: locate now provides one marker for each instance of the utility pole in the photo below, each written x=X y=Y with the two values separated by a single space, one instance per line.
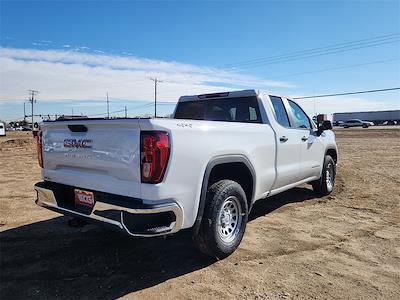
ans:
x=24 y=115
x=32 y=100
x=315 y=110
x=72 y=111
x=108 y=107
x=126 y=113
x=156 y=82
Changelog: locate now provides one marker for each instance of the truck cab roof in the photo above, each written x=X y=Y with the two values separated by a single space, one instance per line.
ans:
x=228 y=94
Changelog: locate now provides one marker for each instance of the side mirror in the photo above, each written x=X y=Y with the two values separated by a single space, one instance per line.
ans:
x=325 y=125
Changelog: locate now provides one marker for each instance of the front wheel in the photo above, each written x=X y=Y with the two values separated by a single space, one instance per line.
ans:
x=224 y=220
x=324 y=185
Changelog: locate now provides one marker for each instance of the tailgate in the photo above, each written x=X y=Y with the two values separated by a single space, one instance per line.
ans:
x=101 y=155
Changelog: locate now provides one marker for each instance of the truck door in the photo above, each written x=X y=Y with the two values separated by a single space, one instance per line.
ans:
x=288 y=146
x=310 y=144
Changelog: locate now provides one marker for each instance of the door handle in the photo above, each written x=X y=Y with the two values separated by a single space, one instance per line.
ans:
x=283 y=139
x=304 y=138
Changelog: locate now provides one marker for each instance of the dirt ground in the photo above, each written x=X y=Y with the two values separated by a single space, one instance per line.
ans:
x=346 y=245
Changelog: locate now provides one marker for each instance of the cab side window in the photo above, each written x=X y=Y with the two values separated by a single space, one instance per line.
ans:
x=280 y=111
x=300 y=118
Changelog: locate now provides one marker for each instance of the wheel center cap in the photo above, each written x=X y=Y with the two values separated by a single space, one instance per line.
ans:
x=226 y=218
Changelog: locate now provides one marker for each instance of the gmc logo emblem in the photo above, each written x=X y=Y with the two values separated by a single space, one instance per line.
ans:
x=74 y=143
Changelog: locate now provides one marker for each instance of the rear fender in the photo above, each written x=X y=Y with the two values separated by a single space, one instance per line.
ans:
x=212 y=163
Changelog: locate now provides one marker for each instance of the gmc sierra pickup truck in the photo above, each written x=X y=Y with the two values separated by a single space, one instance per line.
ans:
x=203 y=169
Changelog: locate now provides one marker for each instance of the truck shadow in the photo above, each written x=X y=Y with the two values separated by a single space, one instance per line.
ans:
x=263 y=207
x=48 y=259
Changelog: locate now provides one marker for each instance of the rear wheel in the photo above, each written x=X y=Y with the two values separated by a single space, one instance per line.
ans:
x=224 y=220
x=324 y=185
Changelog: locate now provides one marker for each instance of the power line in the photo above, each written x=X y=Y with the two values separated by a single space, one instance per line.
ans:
x=106 y=113
x=313 y=52
x=367 y=41
x=255 y=65
x=305 y=97
x=123 y=110
x=349 y=93
x=338 y=68
x=141 y=106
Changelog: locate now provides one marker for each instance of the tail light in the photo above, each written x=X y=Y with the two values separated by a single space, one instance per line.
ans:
x=39 y=148
x=154 y=154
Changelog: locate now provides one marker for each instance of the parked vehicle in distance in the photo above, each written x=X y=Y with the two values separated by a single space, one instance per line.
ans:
x=204 y=169
x=357 y=123
x=337 y=123
x=2 y=129
x=378 y=117
x=23 y=128
x=390 y=122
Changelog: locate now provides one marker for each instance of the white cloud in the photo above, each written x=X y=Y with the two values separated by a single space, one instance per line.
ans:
x=63 y=74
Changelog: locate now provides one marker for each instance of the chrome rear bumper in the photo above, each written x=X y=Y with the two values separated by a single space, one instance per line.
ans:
x=47 y=199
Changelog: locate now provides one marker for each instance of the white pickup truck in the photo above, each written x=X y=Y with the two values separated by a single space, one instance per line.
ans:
x=203 y=169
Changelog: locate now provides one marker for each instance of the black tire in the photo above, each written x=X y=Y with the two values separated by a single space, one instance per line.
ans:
x=212 y=238
x=321 y=186
x=365 y=126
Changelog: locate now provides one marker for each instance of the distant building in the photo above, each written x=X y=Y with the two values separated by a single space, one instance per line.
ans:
x=378 y=117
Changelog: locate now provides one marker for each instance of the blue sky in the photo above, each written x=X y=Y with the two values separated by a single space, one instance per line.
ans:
x=74 y=52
